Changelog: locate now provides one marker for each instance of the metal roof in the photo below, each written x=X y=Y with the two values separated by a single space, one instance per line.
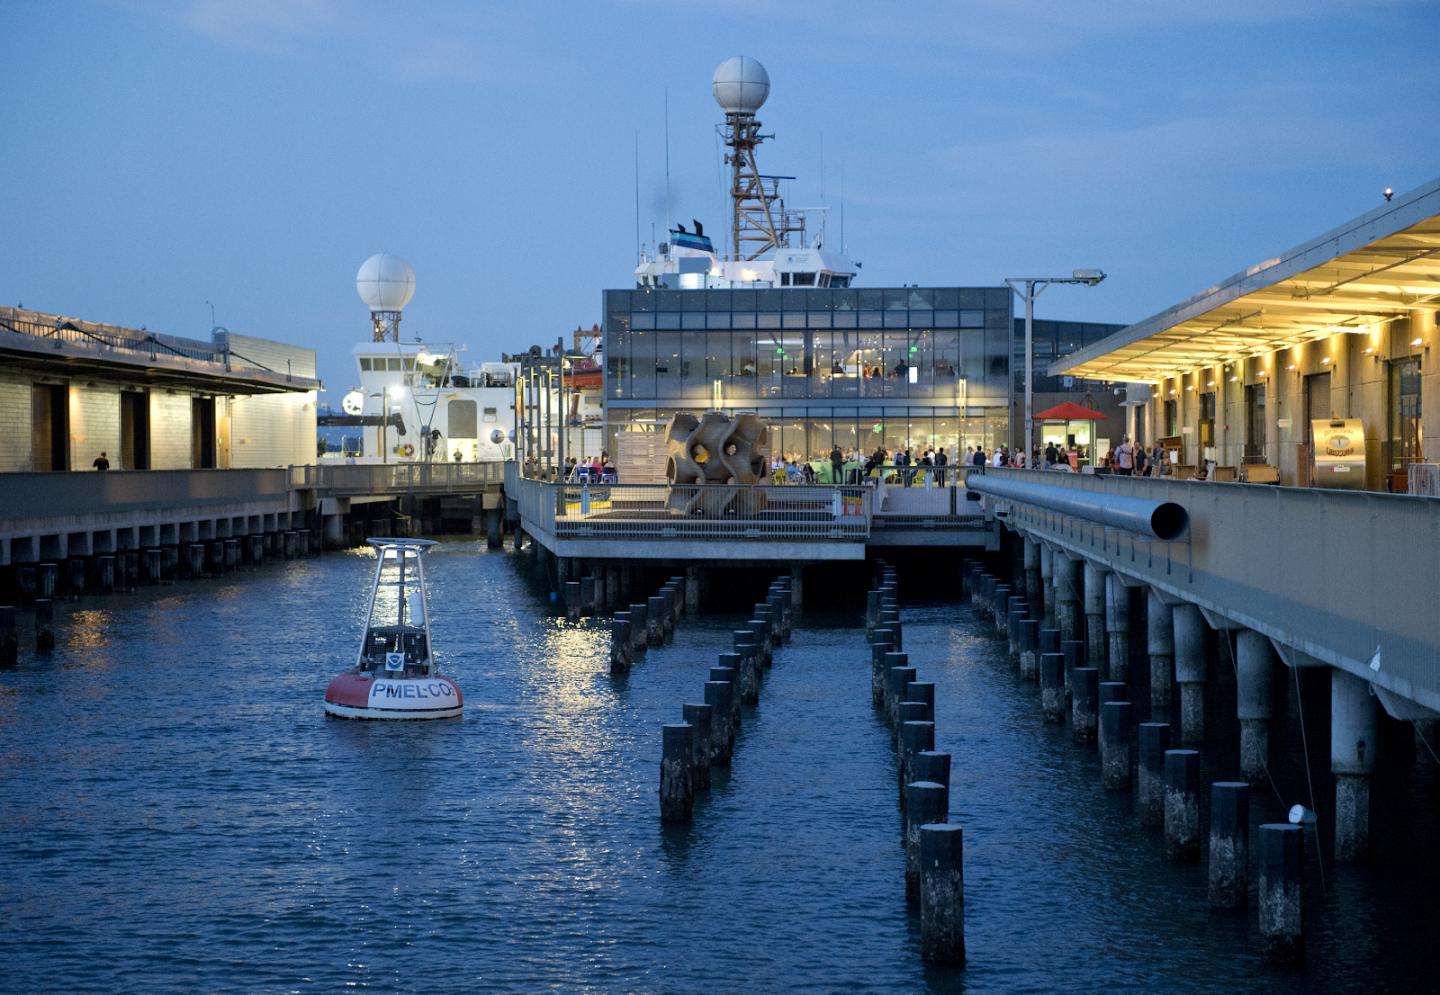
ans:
x=1368 y=271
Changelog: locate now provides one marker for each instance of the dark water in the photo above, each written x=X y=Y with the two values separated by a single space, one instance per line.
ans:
x=178 y=815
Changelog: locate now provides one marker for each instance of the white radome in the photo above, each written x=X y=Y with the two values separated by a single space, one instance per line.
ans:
x=385 y=282
x=741 y=85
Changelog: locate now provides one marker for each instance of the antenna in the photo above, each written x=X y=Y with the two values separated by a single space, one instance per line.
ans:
x=759 y=221
x=667 y=159
x=822 y=167
x=637 y=194
x=842 y=208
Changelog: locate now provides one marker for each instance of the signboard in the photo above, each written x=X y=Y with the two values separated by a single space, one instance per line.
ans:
x=1338 y=459
x=394 y=661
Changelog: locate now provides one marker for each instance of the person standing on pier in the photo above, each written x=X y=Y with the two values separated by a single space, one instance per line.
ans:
x=837 y=464
x=101 y=463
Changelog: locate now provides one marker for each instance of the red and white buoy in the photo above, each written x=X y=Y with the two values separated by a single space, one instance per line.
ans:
x=395 y=675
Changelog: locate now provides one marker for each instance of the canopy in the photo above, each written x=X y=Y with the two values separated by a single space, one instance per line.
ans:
x=1355 y=278
x=1069 y=411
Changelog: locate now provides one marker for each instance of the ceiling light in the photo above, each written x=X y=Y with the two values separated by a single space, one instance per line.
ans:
x=1417 y=340
x=1325 y=361
x=1233 y=378
x=1291 y=366
x=1368 y=350
x=1189 y=386
x=1209 y=383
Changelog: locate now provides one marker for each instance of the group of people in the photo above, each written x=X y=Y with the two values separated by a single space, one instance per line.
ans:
x=1128 y=459
x=597 y=469
x=905 y=467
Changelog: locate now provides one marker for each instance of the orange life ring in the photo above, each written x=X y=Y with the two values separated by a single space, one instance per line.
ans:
x=406 y=450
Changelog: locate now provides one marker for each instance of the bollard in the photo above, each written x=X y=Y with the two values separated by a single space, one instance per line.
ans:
x=1182 y=805
x=1229 y=831
x=749 y=667
x=915 y=737
x=677 y=787
x=572 y=600
x=1113 y=691
x=1052 y=686
x=655 y=621
x=923 y=692
x=719 y=695
x=638 y=627
x=44 y=625
x=931 y=765
x=699 y=719
x=924 y=806
x=727 y=668
x=9 y=638
x=1154 y=740
x=1029 y=649
x=942 y=894
x=1049 y=641
x=620 y=652
x=880 y=644
x=1282 y=876
x=1085 y=700
x=1115 y=745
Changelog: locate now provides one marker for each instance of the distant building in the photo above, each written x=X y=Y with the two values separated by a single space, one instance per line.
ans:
x=72 y=389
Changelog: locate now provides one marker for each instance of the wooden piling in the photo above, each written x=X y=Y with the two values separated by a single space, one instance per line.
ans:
x=1052 y=687
x=699 y=717
x=1182 y=805
x=1154 y=740
x=1228 y=885
x=621 y=653
x=1281 y=887
x=924 y=806
x=719 y=695
x=1115 y=745
x=1085 y=698
x=914 y=738
x=44 y=625
x=677 y=786
x=942 y=894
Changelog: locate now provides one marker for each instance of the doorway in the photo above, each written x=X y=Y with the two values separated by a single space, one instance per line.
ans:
x=135 y=430
x=202 y=433
x=50 y=426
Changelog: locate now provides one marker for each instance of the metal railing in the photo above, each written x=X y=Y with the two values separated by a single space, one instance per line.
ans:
x=396 y=478
x=31 y=496
x=1348 y=577
x=660 y=512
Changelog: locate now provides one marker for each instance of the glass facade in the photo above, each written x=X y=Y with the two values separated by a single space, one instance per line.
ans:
x=902 y=366
x=1055 y=340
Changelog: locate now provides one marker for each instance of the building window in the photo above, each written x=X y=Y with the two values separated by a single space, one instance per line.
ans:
x=1207 y=422
x=1404 y=412
x=1255 y=422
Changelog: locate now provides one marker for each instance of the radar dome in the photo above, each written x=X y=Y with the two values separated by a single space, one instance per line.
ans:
x=741 y=85
x=385 y=282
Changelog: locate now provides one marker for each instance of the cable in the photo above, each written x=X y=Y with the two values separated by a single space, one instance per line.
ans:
x=1305 y=745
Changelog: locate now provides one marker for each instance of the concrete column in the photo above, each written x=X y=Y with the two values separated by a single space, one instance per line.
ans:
x=1047 y=583
x=1190 y=671
x=1255 y=664
x=1160 y=642
x=1354 y=715
x=1032 y=573
x=1117 y=626
x=1067 y=597
x=1095 y=616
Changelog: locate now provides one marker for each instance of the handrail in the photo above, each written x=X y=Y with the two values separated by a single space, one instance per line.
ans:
x=1164 y=520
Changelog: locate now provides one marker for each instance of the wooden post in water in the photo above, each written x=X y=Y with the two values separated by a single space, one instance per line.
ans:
x=638 y=641
x=915 y=737
x=9 y=638
x=655 y=621
x=727 y=668
x=620 y=652
x=942 y=894
x=1282 y=877
x=880 y=647
x=1115 y=745
x=719 y=695
x=44 y=625
x=1229 y=844
x=1029 y=631
x=924 y=806
x=1052 y=687
x=924 y=693
x=1086 y=703
x=573 y=606
x=677 y=787
x=1150 y=773
x=699 y=718
x=749 y=666
x=1182 y=805
x=934 y=766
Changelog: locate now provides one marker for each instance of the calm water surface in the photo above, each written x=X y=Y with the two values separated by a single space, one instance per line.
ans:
x=178 y=815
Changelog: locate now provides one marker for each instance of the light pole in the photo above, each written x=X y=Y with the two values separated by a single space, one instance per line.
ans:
x=1029 y=287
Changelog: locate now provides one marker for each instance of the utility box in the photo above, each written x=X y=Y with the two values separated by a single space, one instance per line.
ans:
x=1337 y=458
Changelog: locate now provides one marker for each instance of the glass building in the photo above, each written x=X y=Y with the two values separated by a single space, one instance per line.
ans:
x=859 y=368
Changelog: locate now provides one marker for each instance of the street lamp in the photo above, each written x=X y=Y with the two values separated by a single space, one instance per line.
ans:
x=1029 y=287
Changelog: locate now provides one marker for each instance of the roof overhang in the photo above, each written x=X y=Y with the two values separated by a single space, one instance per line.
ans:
x=1367 y=272
x=55 y=357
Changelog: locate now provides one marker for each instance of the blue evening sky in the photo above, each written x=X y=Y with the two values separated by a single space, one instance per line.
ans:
x=162 y=153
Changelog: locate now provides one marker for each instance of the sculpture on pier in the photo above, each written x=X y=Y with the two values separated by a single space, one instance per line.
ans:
x=716 y=449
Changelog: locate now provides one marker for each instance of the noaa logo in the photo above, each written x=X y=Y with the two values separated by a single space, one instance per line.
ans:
x=394 y=661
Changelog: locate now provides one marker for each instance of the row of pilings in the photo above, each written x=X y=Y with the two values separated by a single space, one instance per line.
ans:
x=934 y=847
x=1166 y=781
x=706 y=735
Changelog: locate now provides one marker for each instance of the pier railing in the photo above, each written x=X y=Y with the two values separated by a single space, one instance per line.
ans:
x=32 y=496
x=395 y=478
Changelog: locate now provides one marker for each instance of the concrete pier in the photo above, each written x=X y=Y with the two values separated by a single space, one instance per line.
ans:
x=698 y=717
x=1255 y=666
x=1115 y=720
x=1117 y=627
x=1085 y=704
x=1280 y=888
x=1031 y=559
x=677 y=786
x=1160 y=643
x=1047 y=583
x=1354 y=717
x=942 y=894
x=1229 y=844
x=1182 y=805
x=1190 y=671
x=1052 y=687
x=1029 y=649
x=1154 y=743
x=924 y=806
x=1095 y=583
